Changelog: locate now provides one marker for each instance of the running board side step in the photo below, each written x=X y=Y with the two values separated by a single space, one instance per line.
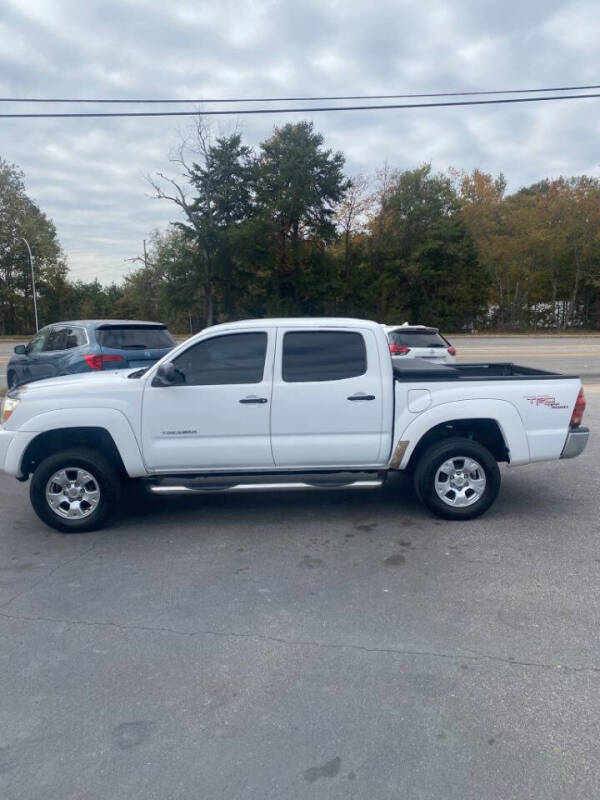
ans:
x=263 y=487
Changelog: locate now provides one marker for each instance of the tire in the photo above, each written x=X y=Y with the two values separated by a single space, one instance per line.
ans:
x=98 y=497
x=11 y=379
x=463 y=493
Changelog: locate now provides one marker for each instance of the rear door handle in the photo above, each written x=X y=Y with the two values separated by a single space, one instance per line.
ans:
x=360 y=396
x=253 y=399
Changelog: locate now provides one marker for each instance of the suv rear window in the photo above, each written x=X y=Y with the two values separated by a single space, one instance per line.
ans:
x=417 y=339
x=130 y=337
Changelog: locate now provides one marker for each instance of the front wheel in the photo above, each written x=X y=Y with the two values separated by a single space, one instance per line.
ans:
x=457 y=478
x=75 y=490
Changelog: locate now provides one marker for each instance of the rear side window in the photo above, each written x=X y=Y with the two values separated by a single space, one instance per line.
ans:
x=323 y=356
x=75 y=337
x=234 y=358
x=64 y=339
x=54 y=340
x=417 y=339
x=130 y=337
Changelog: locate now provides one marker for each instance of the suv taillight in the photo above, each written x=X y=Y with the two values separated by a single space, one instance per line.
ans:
x=452 y=350
x=577 y=415
x=98 y=362
x=398 y=350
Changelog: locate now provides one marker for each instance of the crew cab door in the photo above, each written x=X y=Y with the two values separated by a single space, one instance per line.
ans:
x=327 y=399
x=218 y=418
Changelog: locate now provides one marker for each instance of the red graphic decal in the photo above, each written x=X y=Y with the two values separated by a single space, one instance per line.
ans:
x=547 y=400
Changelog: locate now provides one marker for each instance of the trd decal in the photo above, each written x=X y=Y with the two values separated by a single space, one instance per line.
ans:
x=547 y=400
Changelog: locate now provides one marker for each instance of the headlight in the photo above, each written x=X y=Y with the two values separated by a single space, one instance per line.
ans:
x=8 y=406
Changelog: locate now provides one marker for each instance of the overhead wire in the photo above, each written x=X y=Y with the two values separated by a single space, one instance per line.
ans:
x=308 y=98
x=296 y=110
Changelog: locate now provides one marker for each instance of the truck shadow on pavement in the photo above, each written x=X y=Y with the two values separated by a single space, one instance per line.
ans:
x=279 y=507
x=394 y=504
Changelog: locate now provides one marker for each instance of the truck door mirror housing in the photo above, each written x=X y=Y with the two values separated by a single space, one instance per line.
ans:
x=168 y=375
x=20 y=349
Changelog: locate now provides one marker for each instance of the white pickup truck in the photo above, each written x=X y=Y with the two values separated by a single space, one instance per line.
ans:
x=284 y=403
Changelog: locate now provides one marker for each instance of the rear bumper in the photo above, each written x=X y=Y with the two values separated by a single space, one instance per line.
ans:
x=445 y=359
x=575 y=443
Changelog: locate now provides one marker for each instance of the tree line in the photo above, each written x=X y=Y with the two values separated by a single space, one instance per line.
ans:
x=281 y=230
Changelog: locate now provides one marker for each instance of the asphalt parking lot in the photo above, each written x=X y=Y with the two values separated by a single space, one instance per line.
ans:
x=326 y=645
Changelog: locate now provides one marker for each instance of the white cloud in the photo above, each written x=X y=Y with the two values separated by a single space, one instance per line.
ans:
x=575 y=26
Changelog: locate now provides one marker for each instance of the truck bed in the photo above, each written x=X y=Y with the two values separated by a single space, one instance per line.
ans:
x=418 y=369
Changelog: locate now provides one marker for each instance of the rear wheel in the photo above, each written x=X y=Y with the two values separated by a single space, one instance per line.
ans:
x=457 y=478
x=75 y=491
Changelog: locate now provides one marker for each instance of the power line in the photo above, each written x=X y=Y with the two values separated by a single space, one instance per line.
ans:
x=294 y=99
x=223 y=112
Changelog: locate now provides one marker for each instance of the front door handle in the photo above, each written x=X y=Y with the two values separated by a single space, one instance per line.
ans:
x=253 y=399
x=360 y=396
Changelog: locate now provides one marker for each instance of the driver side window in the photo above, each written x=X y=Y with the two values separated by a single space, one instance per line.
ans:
x=36 y=345
x=235 y=358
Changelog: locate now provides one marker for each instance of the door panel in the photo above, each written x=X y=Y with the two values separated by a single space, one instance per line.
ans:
x=335 y=419
x=54 y=353
x=219 y=418
x=33 y=366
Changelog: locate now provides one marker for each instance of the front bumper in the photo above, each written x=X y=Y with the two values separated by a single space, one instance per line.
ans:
x=575 y=443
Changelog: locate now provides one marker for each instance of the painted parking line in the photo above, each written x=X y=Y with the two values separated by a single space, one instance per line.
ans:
x=464 y=353
x=531 y=348
x=528 y=349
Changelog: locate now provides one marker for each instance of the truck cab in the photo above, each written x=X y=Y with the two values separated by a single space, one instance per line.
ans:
x=271 y=396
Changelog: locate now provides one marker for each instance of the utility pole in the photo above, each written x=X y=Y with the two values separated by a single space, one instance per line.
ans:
x=37 y=327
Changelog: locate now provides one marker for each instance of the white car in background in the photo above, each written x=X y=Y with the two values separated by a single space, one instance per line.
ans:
x=419 y=341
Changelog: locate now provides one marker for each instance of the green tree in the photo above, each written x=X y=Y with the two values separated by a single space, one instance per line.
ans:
x=423 y=257
x=21 y=217
x=298 y=185
x=166 y=287
x=212 y=192
x=540 y=246
x=89 y=300
x=223 y=185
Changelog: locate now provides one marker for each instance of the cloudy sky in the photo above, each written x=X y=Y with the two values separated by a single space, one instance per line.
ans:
x=88 y=175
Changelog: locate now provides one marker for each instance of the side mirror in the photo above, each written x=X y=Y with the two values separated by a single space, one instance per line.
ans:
x=168 y=375
x=20 y=349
